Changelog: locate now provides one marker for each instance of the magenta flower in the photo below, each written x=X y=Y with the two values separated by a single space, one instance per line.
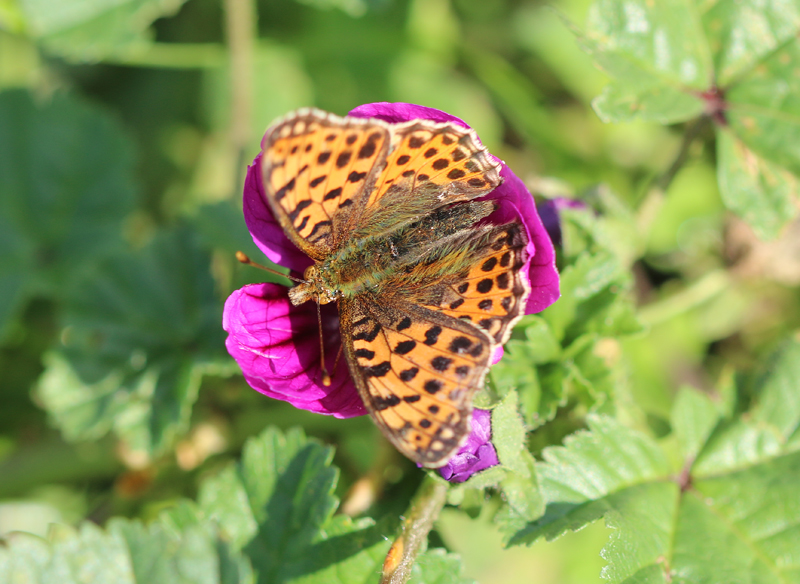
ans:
x=477 y=454
x=277 y=344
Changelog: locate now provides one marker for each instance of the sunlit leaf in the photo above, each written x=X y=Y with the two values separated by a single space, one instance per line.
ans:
x=277 y=507
x=93 y=29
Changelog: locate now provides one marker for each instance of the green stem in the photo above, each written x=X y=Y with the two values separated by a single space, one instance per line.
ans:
x=651 y=206
x=240 y=21
x=703 y=290
x=413 y=538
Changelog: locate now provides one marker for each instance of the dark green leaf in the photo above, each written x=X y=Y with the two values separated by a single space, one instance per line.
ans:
x=141 y=328
x=65 y=187
x=277 y=506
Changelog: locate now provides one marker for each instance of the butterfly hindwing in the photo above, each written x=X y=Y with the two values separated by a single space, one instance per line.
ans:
x=417 y=371
x=492 y=294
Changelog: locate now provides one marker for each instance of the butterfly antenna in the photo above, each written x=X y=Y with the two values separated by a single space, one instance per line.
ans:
x=326 y=378
x=242 y=257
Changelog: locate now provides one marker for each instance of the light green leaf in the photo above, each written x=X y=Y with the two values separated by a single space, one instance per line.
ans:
x=742 y=32
x=277 y=506
x=758 y=190
x=525 y=367
x=579 y=479
x=764 y=108
x=436 y=566
x=127 y=552
x=778 y=397
x=65 y=187
x=90 y=30
x=140 y=330
x=657 y=54
x=742 y=526
x=694 y=417
x=767 y=431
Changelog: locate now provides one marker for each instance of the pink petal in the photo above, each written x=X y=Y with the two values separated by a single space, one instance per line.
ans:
x=477 y=454
x=267 y=233
x=277 y=346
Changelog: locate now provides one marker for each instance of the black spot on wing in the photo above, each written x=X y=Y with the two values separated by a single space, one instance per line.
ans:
x=343 y=159
x=332 y=194
x=405 y=347
x=441 y=363
x=381 y=403
x=432 y=335
x=379 y=370
x=432 y=386
x=368 y=336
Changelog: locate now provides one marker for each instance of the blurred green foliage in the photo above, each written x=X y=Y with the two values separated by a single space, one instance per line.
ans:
x=660 y=393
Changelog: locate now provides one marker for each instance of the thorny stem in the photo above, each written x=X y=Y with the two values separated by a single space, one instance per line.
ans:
x=413 y=538
x=240 y=24
x=649 y=209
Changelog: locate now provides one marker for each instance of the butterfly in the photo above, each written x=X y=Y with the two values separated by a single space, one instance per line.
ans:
x=426 y=289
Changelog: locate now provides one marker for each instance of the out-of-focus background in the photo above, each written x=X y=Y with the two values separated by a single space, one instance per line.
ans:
x=125 y=130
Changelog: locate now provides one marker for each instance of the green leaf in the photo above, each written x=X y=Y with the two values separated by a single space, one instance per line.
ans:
x=65 y=187
x=761 y=192
x=742 y=32
x=768 y=430
x=93 y=29
x=436 y=566
x=764 y=107
x=694 y=417
x=277 y=506
x=581 y=478
x=745 y=523
x=657 y=55
x=730 y=515
x=126 y=552
x=141 y=329
x=777 y=389
x=524 y=368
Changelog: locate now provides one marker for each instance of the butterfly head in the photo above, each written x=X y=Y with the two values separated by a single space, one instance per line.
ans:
x=313 y=288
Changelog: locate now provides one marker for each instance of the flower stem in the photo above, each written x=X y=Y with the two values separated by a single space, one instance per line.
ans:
x=240 y=24
x=413 y=537
x=654 y=199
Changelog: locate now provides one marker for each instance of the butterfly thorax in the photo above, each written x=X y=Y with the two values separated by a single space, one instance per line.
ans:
x=414 y=251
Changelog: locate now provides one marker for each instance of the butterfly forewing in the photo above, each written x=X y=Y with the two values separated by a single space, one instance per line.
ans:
x=315 y=167
x=417 y=371
x=429 y=166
